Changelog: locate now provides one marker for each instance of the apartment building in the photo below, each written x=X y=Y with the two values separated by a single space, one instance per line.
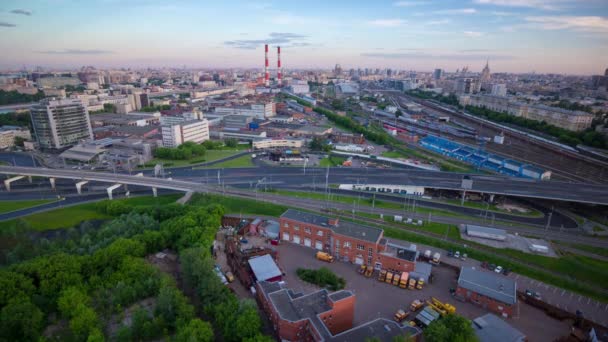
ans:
x=489 y=290
x=60 y=123
x=258 y=110
x=9 y=133
x=177 y=133
x=346 y=241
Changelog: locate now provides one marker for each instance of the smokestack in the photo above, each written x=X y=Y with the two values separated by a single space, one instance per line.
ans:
x=279 y=64
x=266 y=73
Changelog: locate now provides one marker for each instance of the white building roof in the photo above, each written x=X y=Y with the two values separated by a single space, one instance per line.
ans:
x=264 y=267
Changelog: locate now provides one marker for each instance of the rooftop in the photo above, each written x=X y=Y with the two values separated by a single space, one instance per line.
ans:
x=264 y=267
x=400 y=252
x=490 y=328
x=488 y=284
x=344 y=227
x=487 y=230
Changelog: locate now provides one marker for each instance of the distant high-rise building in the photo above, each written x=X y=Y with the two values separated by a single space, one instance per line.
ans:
x=499 y=89
x=485 y=73
x=389 y=72
x=338 y=70
x=467 y=85
x=175 y=134
x=598 y=81
x=60 y=123
x=438 y=74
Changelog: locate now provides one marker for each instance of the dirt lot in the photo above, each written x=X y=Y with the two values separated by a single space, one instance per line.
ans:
x=375 y=299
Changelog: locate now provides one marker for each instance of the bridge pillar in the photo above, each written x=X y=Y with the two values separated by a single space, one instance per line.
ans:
x=7 y=182
x=491 y=198
x=464 y=193
x=112 y=188
x=155 y=192
x=79 y=186
x=52 y=180
x=29 y=179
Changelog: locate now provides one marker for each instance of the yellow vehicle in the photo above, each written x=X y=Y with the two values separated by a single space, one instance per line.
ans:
x=400 y=315
x=389 y=277
x=416 y=304
x=369 y=272
x=325 y=257
x=412 y=284
x=447 y=307
x=412 y=324
x=403 y=280
x=420 y=284
x=229 y=277
x=382 y=275
x=396 y=279
x=362 y=269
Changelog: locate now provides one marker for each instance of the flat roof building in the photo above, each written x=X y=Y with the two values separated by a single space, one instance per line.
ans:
x=264 y=268
x=488 y=289
x=491 y=328
x=60 y=123
x=178 y=133
x=485 y=232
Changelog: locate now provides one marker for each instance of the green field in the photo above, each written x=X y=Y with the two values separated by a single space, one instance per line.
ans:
x=71 y=216
x=331 y=161
x=591 y=249
x=242 y=161
x=236 y=205
x=8 y=206
x=210 y=155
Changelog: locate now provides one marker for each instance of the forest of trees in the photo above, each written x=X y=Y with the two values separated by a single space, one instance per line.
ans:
x=14 y=97
x=185 y=151
x=89 y=278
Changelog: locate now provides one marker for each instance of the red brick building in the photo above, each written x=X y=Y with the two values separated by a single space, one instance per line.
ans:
x=346 y=241
x=321 y=316
x=487 y=289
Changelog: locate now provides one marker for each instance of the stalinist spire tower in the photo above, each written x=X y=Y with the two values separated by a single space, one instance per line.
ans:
x=485 y=73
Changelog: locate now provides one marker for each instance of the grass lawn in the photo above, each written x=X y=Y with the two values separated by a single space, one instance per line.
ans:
x=591 y=249
x=8 y=206
x=237 y=205
x=242 y=161
x=331 y=161
x=492 y=207
x=210 y=155
x=73 y=215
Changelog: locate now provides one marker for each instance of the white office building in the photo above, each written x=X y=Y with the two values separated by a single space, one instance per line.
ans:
x=177 y=133
x=499 y=89
x=60 y=123
x=259 y=111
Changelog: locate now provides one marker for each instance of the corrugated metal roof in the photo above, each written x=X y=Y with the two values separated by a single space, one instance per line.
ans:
x=264 y=267
x=490 y=328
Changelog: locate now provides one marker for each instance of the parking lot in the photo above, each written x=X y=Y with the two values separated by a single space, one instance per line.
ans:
x=375 y=299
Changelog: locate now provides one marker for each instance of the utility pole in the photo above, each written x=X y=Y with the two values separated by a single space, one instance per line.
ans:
x=549 y=219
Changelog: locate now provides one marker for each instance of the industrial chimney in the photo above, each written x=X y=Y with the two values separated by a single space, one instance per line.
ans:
x=279 y=65
x=266 y=73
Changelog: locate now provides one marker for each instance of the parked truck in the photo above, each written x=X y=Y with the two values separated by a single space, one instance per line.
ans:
x=436 y=257
x=382 y=275
x=362 y=269
x=420 y=284
x=369 y=272
x=400 y=315
x=396 y=278
x=411 y=283
x=325 y=257
x=427 y=254
x=416 y=304
x=403 y=280
x=389 y=277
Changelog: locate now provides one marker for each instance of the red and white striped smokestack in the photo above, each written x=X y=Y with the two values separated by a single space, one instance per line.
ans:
x=279 y=64
x=266 y=73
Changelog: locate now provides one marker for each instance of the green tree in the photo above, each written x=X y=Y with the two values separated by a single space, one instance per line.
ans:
x=109 y=107
x=19 y=141
x=451 y=328
x=231 y=142
x=195 y=331
x=398 y=113
x=20 y=320
x=12 y=285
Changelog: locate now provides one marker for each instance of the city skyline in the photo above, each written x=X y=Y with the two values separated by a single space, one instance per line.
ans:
x=544 y=36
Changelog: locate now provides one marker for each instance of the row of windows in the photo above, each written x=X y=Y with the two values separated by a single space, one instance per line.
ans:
x=307 y=230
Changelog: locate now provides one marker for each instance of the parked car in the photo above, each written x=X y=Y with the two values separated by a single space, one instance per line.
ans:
x=498 y=269
x=537 y=295
x=457 y=255
x=529 y=293
x=484 y=264
x=464 y=256
x=491 y=267
x=450 y=253
x=506 y=271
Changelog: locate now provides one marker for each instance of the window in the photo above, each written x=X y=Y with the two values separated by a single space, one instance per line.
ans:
x=296 y=227
x=346 y=244
x=370 y=252
x=286 y=225
x=307 y=230
x=360 y=247
x=319 y=232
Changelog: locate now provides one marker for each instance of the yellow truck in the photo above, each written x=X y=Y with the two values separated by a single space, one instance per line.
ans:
x=369 y=272
x=416 y=304
x=445 y=307
x=419 y=284
x=411 y=283
x=389 y=277
x=382 y=275
x=325 y=257
x=400 y=315
x=362 y=269
x=403 y=280
x=396 y=278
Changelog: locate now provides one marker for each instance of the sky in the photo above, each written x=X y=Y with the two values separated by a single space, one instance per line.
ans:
x=543 y=36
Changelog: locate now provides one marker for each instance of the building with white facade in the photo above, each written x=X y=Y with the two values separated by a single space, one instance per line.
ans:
x=60 y=123
x=259 y=110
x=278 y=143
x=9 y=133
x=177 y=133
x=499 y=89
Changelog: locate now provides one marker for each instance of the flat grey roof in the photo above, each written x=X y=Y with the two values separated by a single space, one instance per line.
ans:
x=489 y=284
x=344 y=227
x=264 y=267
x=486 y=230
x=491 y=328
x=336 y=296
x=427 y=315
x=381 y=328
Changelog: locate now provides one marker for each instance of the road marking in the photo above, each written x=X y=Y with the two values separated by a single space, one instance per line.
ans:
x=563 y=292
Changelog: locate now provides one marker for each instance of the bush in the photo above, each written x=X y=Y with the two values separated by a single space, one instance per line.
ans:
x=323 y=277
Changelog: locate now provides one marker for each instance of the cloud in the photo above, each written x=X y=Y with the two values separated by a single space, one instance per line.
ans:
x=275 y=38
x=75 y=52
x=386 y=22
x=21 y=11
x=580 y=23
x=426 y=56
x=5 y=24
x=438 y=22
x=540 y=4
x=458 y=11
x=408 y=3
x=473 y=34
